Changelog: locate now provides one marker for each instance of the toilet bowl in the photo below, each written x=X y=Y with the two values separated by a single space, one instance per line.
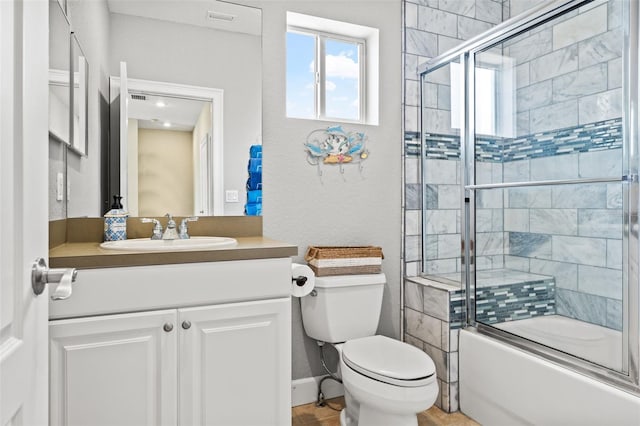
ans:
x=386 y=382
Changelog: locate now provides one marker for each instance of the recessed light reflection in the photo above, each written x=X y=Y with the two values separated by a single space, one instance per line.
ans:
x=166 y=124
x=161 y=104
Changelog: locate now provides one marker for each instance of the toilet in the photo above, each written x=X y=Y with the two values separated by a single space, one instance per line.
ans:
x=386 y=382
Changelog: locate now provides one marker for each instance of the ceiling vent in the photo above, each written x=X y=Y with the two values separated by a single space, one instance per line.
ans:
x=220 y=16
x=138 y=97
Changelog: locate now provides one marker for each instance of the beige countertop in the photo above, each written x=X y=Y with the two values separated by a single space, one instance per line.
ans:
x=75 y=243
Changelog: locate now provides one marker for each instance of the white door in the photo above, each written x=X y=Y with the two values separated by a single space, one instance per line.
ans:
x=114 y=370
x=235 y=364
x=23 y=212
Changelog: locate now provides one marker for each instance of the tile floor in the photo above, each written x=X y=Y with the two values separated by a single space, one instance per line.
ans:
x=310 y=415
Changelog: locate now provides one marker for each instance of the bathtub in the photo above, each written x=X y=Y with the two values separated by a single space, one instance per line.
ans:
x=501 y=385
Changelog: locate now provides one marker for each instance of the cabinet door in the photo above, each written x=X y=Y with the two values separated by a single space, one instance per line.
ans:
x=235 y=364
x=114 y=370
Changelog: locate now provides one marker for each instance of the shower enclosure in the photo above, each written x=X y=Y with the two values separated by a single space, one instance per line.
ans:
x=530 y=183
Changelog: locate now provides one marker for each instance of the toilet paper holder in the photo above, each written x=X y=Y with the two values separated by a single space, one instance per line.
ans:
x=300 y=281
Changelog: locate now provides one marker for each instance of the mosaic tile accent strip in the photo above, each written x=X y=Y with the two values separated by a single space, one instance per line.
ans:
x=590 y=137
x=508 y=302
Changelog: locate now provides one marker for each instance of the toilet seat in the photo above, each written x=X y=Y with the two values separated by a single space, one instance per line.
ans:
x=389 y=361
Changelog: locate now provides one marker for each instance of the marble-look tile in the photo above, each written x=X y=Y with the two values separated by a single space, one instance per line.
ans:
x=607 y=163
x=556 y=167
x=600 y=281
x=601 y=223
x=497 y=222
x=534 y=96
x=436 y=304
x=516 y=220
x=529 y=245
x=581 y=306
x=459 y=7
x=444 y=97
x=410 y=15
x=424 y=327
x=484 y=219
x=454 y=399
x=441 y=266
x=565 y=274
x=516 y=171
x=447 y=43
x=412 y=196
x=411 y=119
x=554 y=221
x=453 y=340
x=578 y=196
x=440 y=359
x=588 y=6
x=437 y=121
x=490 y=198
x=431 y=247
x=413 y=298
x=453 y=367
x=614 y=73
x=517 y=263
x=468 y=27
x=412 y=269
x=601 y=106
x=421 y=43
x=440 y=171
x=441 y=221
x=446 y=336
x=522 y=75
x=586 y=81
x=441 y=75
x=531 y=47
x=523 y=123
x=581 y=250
x=429 y=95
x=431 y=196
x=449 y=197
x=412 y=170
x=614 y=254
x=414 y=341
x=437 y=21
x=411 y=66
x=448 y=246
x=555 y=116
x=483 y=172
x=413 y=222
x=413 y=248
x=523 y=198
x=496 y=173
x=614 y=314
x=412 y=93
x=489 y=11
x=489 y=243
x=581 y=27
x=520 y=6
x=554 y=64
x=600 y=49
x=438 y=402
x=615 y=14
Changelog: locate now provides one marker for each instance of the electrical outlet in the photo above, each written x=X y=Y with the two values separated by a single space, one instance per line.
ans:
x=231 y=196
x=59 y=186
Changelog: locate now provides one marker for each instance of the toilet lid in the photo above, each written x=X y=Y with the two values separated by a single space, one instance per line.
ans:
x=389 y=361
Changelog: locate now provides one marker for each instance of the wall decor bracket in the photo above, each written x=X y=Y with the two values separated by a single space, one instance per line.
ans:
x=335 y=146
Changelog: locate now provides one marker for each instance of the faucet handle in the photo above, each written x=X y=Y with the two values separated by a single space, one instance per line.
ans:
x=183 y=234
x=157 y=227
x=170 y=223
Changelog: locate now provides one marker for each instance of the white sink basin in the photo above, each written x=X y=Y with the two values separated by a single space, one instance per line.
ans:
x=146 y=244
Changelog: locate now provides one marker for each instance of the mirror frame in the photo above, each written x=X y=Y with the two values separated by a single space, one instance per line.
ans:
x=205 y=94
x=79 y=143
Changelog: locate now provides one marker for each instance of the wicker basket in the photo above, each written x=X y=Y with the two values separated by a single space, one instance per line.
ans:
x=325 y=261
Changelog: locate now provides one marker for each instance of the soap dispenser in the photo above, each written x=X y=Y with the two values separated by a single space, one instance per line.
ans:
x=115 y=221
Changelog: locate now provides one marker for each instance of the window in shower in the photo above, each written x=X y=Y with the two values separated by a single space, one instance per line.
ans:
x=547 y=195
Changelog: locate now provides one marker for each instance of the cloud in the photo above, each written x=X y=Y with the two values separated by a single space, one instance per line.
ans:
x=341 y=66
x=330 y=86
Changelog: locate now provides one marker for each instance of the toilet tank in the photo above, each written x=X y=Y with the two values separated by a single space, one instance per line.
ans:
x=345 y=307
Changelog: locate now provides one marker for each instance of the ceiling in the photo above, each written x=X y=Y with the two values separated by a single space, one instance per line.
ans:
x=246 y=19
x=181 y=113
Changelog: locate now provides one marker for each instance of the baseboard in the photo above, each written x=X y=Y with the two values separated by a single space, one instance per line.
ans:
x=305 y=391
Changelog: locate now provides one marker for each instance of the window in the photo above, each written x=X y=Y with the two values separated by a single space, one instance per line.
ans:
x=326 y=70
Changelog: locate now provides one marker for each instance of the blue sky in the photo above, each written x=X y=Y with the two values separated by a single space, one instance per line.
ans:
x=342 y=72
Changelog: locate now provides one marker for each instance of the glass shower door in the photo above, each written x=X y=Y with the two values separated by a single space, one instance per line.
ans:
x=549 y=186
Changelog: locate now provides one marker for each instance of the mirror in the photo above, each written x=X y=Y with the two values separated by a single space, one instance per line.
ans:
x=212 y=46
x=78 y=142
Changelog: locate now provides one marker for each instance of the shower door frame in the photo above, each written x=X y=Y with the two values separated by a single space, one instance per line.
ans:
x=629 y=378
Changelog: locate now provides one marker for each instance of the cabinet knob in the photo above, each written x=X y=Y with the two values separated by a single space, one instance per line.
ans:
x=186 y=325
x=167 y=327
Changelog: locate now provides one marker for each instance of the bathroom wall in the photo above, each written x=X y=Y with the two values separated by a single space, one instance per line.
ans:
x=354 y=208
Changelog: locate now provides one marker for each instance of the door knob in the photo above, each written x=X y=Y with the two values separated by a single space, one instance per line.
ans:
x=42 y=275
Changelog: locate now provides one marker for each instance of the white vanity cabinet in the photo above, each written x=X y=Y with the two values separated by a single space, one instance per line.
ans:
x=197 y=353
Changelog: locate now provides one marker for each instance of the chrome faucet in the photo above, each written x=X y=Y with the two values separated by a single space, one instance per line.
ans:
x=157 y=228
x=170 y=232
x=183 y=234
